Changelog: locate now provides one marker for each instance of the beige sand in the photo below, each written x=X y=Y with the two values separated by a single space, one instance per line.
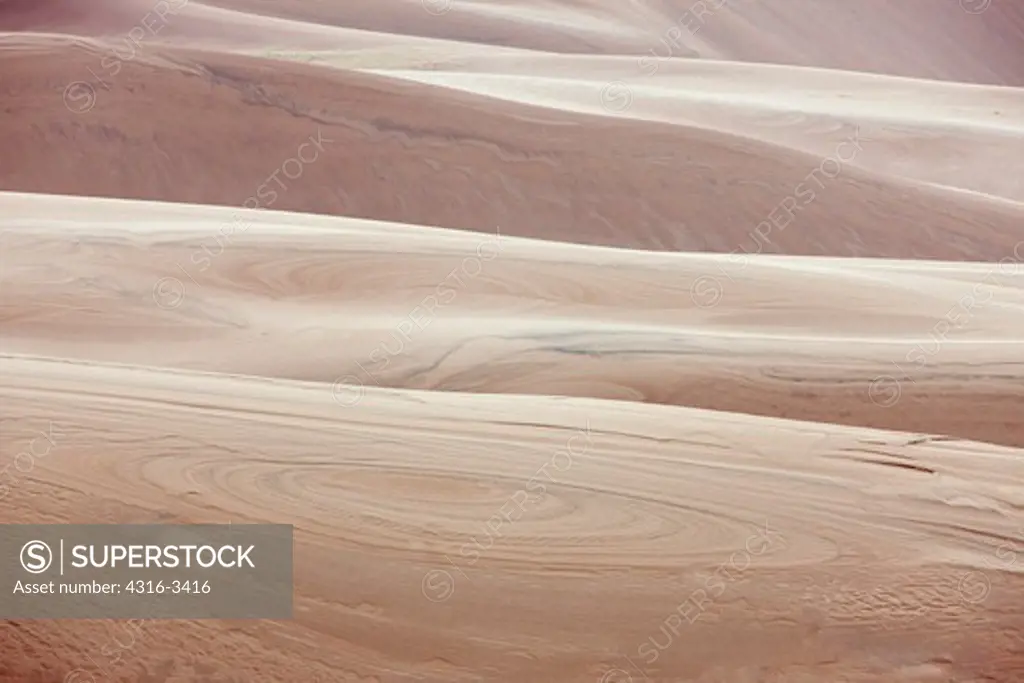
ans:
x=590 y=368
x=251 y=394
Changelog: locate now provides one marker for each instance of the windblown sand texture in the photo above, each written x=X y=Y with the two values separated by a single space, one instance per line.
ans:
x=581 y=341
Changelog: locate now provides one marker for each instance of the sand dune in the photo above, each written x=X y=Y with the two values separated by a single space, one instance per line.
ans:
x=578 y=340
x=904 y=533
x=969 y=41
x=938 y=133
x=398 y=151
x=894 y=344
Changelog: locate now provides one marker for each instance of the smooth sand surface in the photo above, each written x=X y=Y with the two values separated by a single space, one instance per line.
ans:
x=580 y=341
x=656 y=152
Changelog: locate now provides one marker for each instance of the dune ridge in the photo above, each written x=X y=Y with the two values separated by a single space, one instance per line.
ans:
x=681 y=483
x=287 y=296
x=480 y=162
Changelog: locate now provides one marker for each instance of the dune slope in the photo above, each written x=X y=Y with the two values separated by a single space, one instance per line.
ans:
x=974 y=41
x=895 y=344
x=879 y=563
x=329 y=141
x=579 y=341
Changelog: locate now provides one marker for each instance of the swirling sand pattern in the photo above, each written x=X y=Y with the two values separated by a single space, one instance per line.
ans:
x=661 y=340
x=221 y=408
x=886 y=344
x=654 y=498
